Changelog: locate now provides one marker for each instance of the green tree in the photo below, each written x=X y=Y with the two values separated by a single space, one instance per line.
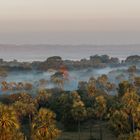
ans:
x=44 y=126
x=9 y=124
x=78 y=111
x=119 y=122
x=135 y=136
x=25 y=112
x=131 y=102
x=100 y=110
x=42 y=98
x=124 y=87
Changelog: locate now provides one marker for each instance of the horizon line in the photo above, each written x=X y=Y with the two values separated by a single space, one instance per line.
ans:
x=66 y=44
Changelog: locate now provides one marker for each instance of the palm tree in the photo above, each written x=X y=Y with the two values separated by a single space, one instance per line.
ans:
x=124 y=87
x=131 y=102
x=137 y=116
x=100 y=107
x=132 y=71
x=119 y=122
x=25 y=110
x=135 y=136
x=91 y=87
x=78 y=111
x=90 y=114
x=42 y=98
x=58 y=81
x=126 y=117
x=44 y=125
x=9 y=125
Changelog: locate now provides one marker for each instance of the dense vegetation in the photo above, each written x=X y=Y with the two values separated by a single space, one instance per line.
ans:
x=96 y=106
x=55 y=62
x=49 y=113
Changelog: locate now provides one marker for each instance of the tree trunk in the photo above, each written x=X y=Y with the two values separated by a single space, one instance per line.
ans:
x=133 y=125
x=90 y=131
x=79 y=130
x=101 y=131
x=30 y=125
x=91 y=137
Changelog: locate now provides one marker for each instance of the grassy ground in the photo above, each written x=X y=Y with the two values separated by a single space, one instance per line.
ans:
x=85 y=132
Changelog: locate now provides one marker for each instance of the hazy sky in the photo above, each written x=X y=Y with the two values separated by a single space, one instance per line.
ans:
x=70 y=21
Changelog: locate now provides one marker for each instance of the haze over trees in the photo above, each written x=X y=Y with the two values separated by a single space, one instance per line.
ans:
x=100 y=108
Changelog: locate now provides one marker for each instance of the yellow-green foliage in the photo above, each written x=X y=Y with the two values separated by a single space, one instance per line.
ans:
x=43 y=126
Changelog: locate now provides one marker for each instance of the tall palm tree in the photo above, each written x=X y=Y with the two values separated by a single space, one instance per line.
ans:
x=42 y=98
x=78 y=111
x=131 y=102
x=44 y=126
x=90 y=114
x=100 y=107
x=119 y=122
x=9 y=124
x=25 y=110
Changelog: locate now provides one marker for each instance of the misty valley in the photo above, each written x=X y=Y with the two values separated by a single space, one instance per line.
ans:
x=69 y=69
x=88 y=99
x=42 y=80
x=67 y=76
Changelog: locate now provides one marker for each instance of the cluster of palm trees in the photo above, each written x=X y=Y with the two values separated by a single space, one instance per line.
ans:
x=9 y=124
x=125 y=115
x=24 y=112
x=36 y=117
x=5 y=86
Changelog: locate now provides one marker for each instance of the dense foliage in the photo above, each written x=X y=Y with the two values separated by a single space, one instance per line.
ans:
x=45 y=115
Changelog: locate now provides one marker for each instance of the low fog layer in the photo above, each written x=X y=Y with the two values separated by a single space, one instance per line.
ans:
x=73 y=77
